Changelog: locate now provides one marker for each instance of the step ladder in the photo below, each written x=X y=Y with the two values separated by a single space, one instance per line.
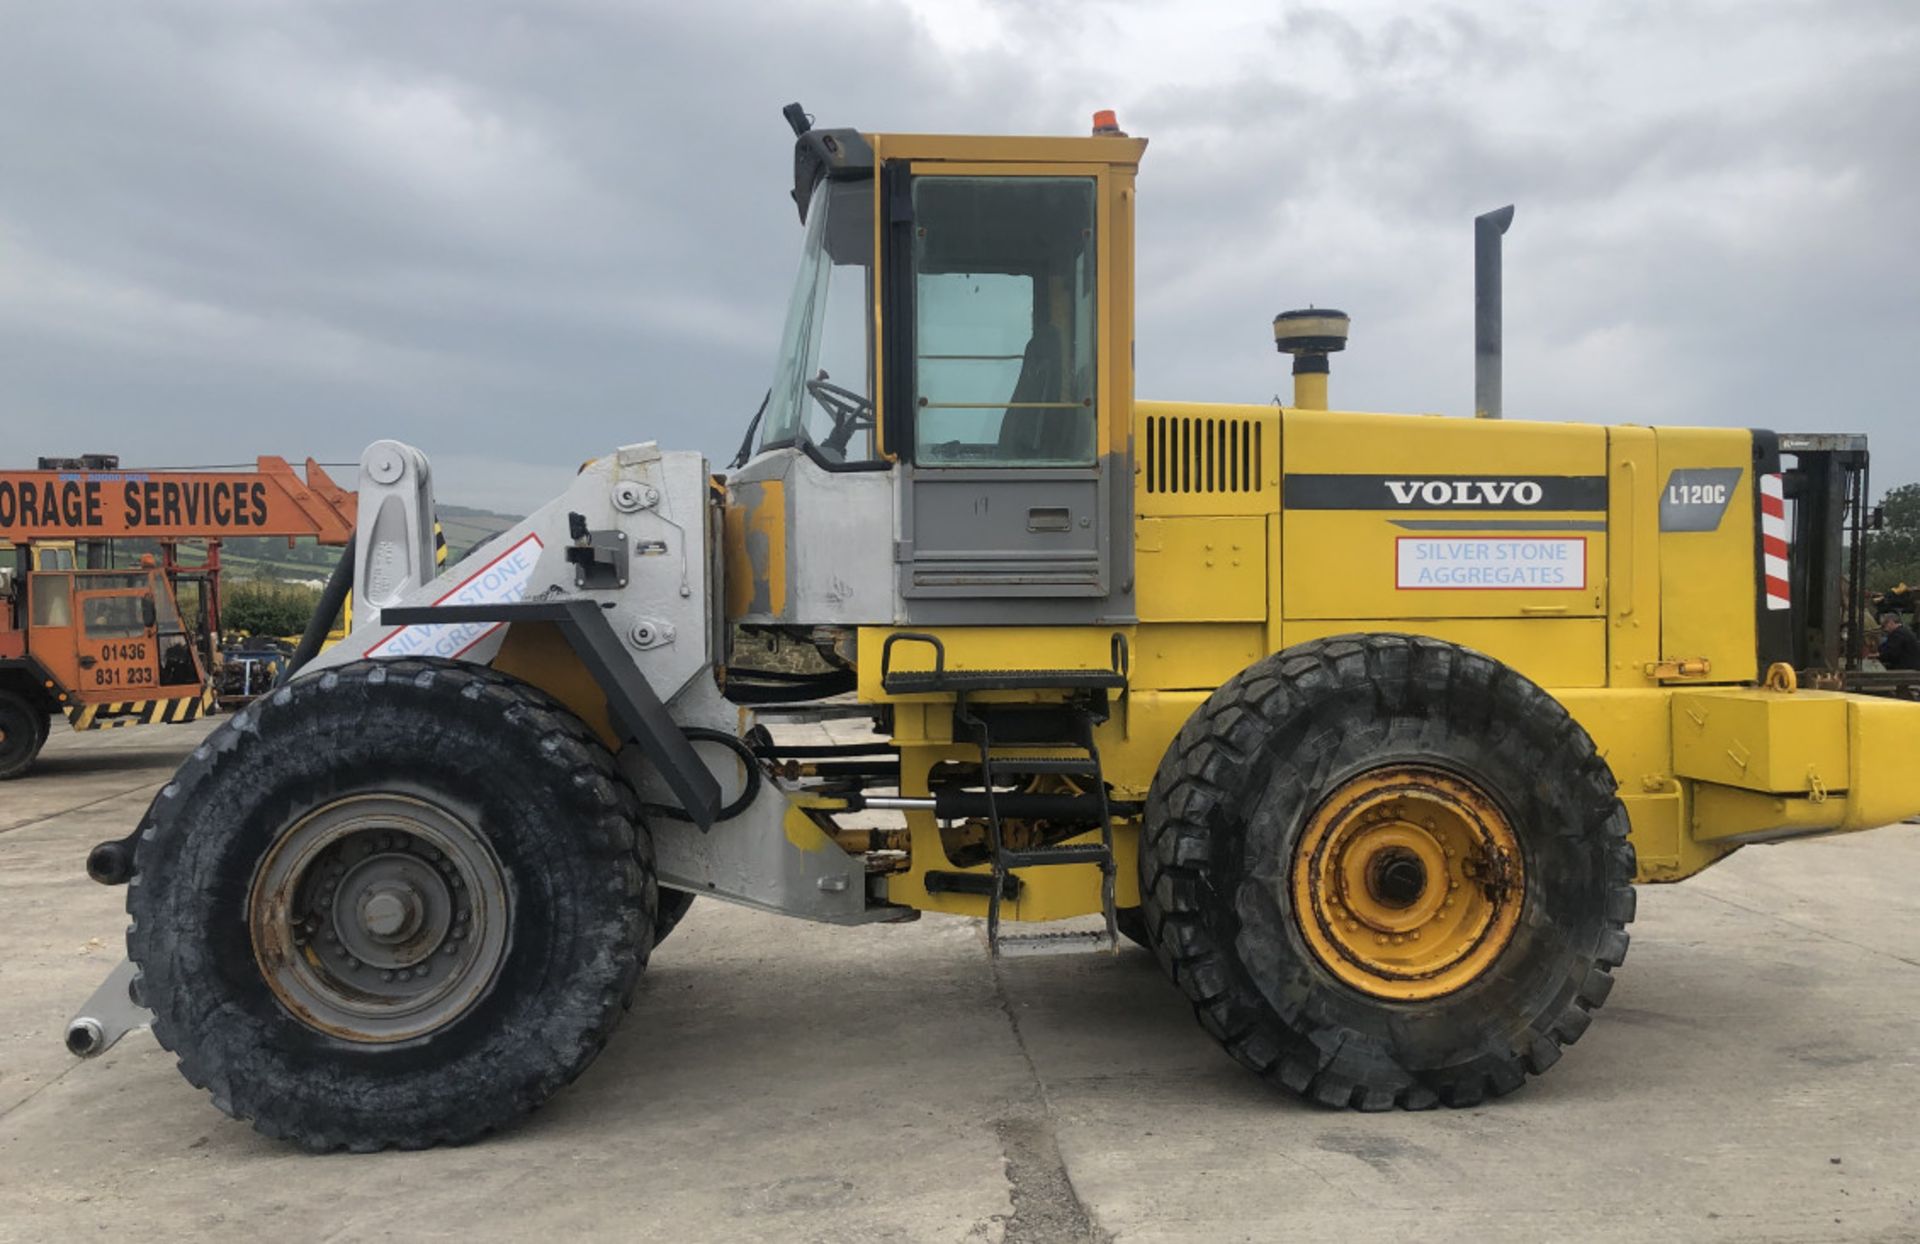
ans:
x=1076 y=723
x=1068 y=725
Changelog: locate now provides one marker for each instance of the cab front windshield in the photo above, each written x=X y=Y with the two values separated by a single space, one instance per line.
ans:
x=823 y=384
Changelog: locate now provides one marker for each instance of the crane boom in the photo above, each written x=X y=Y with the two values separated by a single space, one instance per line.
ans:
x=270 y=500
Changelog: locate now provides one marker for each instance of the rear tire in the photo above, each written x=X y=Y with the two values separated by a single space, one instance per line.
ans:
x=378 y=816
x=1414 y=750
x=23 y=732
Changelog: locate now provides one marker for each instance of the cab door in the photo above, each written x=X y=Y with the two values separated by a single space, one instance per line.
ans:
x=117 y=642
x=999 y=403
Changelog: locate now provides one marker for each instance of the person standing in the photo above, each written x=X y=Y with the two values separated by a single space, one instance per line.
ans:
x=1899 y=646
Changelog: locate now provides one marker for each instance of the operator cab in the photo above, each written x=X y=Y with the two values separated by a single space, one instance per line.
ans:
x=947 y=424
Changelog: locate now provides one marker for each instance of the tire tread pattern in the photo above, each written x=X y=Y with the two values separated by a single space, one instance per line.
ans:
x=1192 y=789
x=614 y=838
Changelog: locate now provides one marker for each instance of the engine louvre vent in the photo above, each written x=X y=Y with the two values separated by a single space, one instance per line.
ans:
x=1202 y=454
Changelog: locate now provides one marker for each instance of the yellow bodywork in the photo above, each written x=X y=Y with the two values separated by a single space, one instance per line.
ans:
x=1653 y=653
x=1242 y=546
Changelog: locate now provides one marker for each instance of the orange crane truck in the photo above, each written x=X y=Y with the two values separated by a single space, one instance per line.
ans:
x=108 y=646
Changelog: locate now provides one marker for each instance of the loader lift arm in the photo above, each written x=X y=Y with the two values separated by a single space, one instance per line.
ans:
x=637 y=712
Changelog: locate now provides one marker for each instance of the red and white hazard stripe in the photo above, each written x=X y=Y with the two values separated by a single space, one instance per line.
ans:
x=1773 y=541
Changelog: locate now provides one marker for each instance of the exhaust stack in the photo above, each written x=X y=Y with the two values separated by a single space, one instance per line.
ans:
x=1309 y=336
x=1487 y=231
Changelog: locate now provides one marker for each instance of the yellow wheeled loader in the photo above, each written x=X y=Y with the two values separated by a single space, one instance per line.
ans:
x=1366 y=725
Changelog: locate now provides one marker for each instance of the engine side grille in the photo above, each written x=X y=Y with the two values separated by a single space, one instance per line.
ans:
x=1202 y=454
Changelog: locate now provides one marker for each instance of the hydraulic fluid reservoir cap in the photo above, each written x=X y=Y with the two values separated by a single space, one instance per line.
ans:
x=1319 y=330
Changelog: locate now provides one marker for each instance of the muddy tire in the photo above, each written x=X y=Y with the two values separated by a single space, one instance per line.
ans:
x=1387 y=871
x=23 y=732
x=396 y=903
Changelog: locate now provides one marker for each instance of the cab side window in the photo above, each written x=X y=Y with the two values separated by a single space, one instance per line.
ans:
x=1004 y=332
x=52 y=599
x=114 y=617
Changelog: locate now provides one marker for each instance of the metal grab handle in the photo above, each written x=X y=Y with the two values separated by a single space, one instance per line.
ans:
x=915 y=637
x=1633 y=530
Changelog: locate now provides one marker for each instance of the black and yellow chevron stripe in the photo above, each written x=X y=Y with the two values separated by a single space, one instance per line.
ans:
x=140 y=712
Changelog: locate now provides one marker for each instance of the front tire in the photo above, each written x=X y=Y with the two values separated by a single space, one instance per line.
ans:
x=1387 y=870
x=23 y=732
x=392 y=904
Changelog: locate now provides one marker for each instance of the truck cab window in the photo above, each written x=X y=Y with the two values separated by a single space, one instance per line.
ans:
x=1004 y=339
x=114 y=617
x=52 y=599
x=823 y=382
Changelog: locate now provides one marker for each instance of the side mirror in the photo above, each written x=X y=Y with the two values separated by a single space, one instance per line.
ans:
x=149 y=617
x=1877 y=518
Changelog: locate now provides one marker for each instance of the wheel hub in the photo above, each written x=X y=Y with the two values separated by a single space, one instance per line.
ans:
x=1407 y=883
x=378 y=918
x=1396 y=877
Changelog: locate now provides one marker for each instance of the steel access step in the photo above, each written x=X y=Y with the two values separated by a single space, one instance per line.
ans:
x=1040 y=857
x=926 y=682
x=1078 y=766
x=1071 y=725
x=1069 y=942
x=940 y=679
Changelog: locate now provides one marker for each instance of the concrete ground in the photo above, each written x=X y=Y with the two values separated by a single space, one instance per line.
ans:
x=1755 y=1076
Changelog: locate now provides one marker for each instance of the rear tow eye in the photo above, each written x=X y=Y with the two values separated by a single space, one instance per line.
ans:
x=110 y=1014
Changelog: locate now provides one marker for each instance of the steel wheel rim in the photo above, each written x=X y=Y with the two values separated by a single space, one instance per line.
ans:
x=379 y=918
x=1407 y=882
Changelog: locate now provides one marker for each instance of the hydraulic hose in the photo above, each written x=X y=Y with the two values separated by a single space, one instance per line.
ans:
x=749 y=789
x=332 y=597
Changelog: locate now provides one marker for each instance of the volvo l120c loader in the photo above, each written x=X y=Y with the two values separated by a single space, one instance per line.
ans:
x=1365 y=724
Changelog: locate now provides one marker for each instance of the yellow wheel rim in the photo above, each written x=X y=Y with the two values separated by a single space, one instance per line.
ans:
x=1407 y=882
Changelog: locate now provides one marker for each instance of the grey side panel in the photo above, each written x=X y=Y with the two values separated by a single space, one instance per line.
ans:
x=1036 y=531
x=839 y=554
x=1108 y=501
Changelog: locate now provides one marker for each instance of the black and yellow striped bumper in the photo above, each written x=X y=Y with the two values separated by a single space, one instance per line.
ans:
x=173 y=709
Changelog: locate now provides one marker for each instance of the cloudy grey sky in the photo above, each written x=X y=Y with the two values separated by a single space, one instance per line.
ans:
x=517 y=232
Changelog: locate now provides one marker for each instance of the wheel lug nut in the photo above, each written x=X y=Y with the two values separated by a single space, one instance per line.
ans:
x=386 y=976
x=1415 y=935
